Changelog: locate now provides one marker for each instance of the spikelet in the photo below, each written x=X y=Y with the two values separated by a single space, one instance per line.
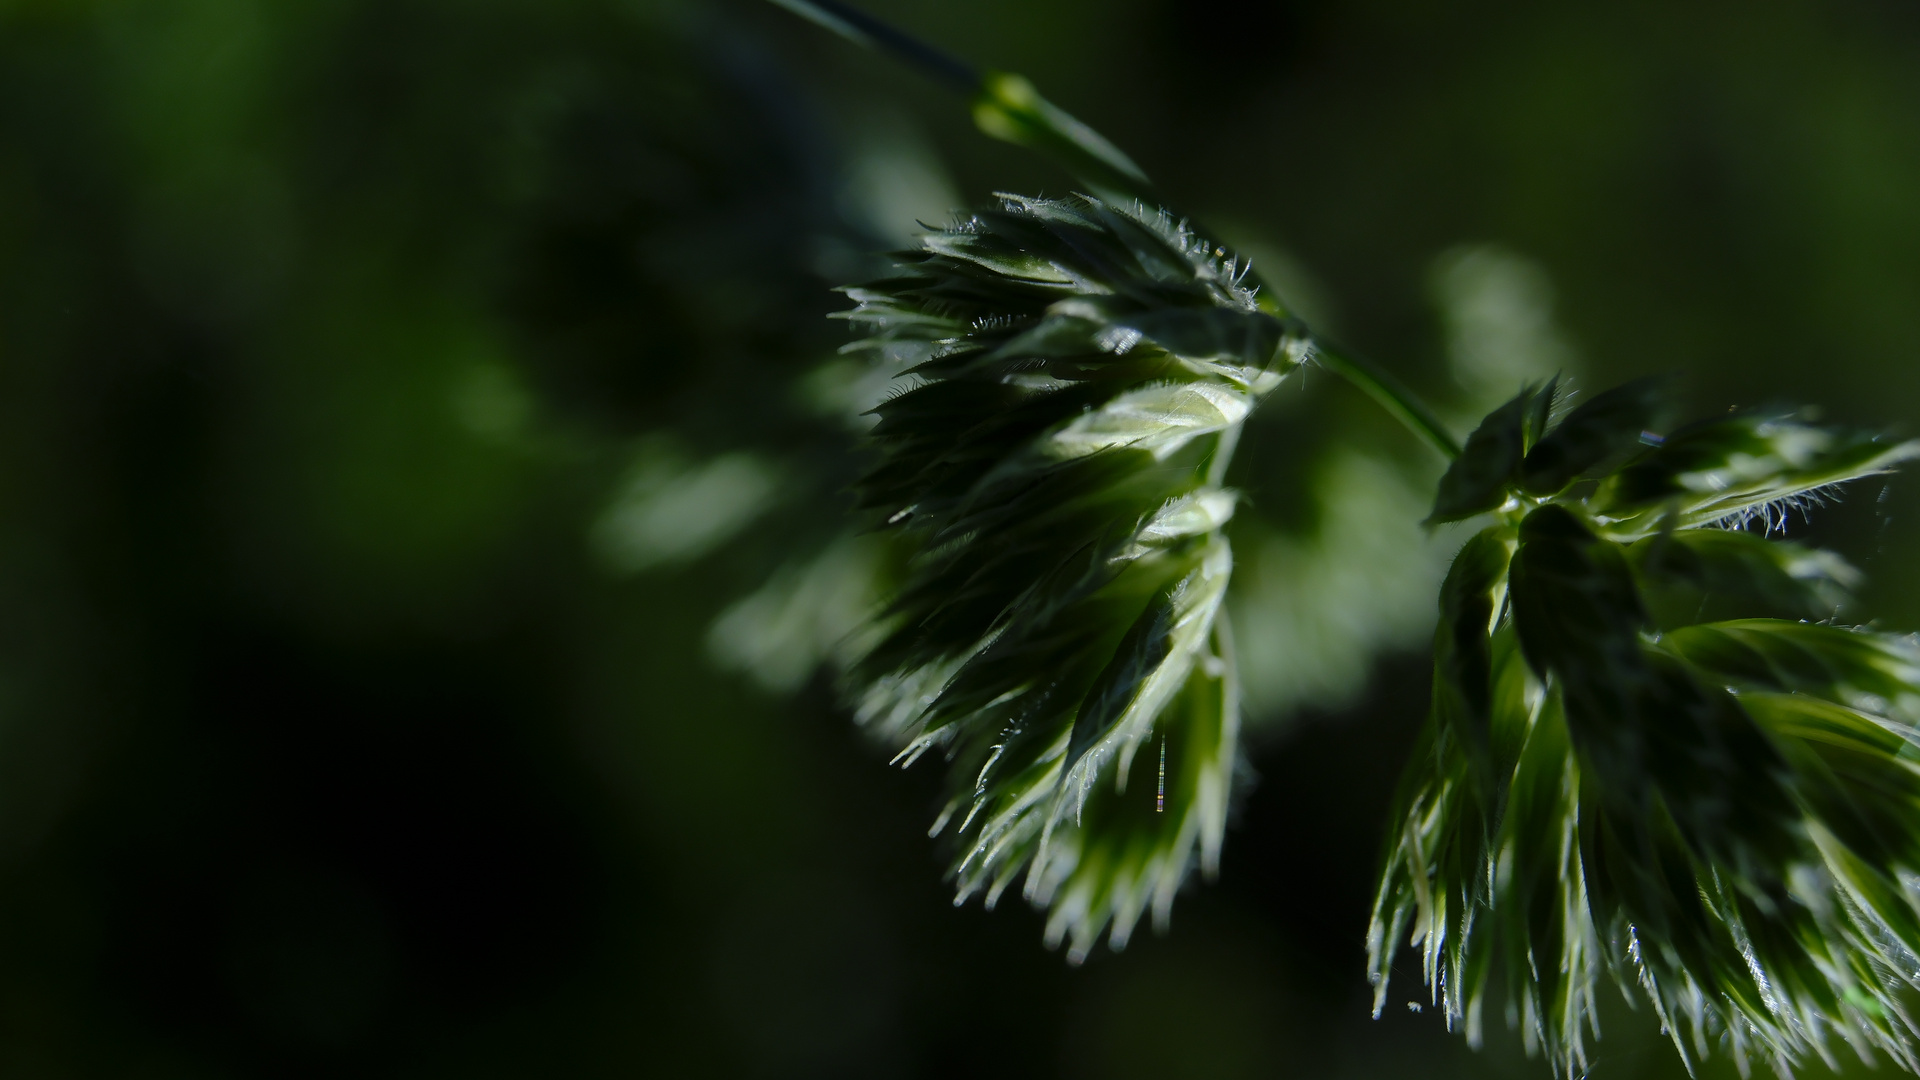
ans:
x=1074 y=375
x=1646 y=759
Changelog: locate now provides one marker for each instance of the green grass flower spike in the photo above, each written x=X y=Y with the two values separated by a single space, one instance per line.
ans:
x=1074 y=377
x=1652 y=754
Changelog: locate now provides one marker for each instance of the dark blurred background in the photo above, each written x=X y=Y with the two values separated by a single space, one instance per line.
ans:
x=422 y=532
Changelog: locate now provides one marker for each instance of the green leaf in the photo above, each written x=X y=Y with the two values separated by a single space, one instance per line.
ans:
x=1004 y=258
x=1152 y=659
x=1658 y=744
x=1248 y=339
x=1540 y=416
x=1575 y=604
x=1462 y=651
x=1128 y=848
x=1541 y=915
x=1603 y=430
x=1436 y=862
x=1873 y=672
x=1158 y=420
x=1741 y=468
x=1478 y=479
x=1702 y=575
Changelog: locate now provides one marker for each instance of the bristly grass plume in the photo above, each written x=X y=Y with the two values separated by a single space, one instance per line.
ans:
x=1647 y=760
x=1653 y=754
x=1075 y=376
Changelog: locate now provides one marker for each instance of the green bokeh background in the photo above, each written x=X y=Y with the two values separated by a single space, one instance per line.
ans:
x=332 y=744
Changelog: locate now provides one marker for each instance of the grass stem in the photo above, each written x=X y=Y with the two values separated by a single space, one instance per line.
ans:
x=1390 y=394
x=1006 y=106
x=869 y=32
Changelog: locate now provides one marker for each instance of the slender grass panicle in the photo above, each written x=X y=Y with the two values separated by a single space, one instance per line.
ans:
x=1646 y=759
x=1074 y=377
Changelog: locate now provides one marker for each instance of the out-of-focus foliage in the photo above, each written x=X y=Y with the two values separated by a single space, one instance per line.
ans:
x=365 y=367
x=1719 y=814
x=1320 y=600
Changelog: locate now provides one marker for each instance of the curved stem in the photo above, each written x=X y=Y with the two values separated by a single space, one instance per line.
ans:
x=869 y=32
x=1007 y=107
x=1390 y=394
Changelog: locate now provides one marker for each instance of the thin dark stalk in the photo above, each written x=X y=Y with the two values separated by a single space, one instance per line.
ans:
x=863 y=29
x=1006 y=106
